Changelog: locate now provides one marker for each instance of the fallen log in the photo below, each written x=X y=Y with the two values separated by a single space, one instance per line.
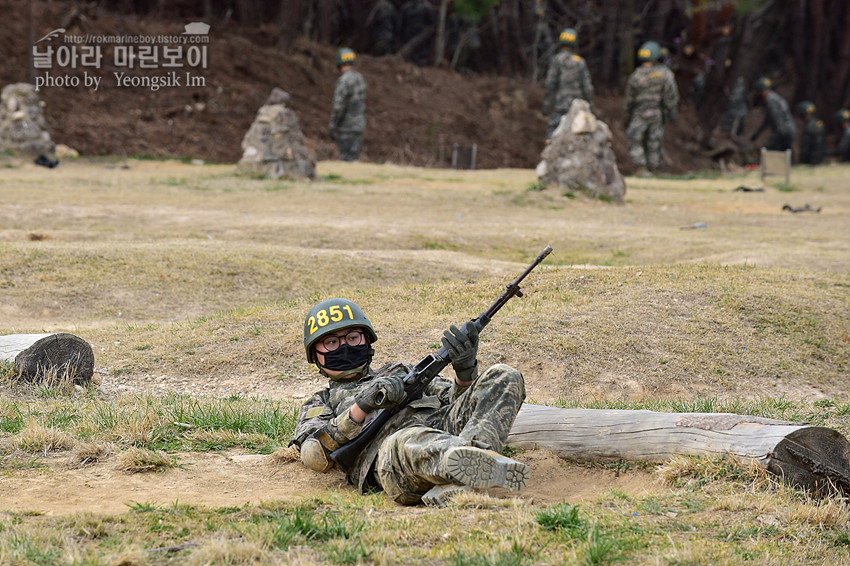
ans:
x=58 y=355
x=811 y=457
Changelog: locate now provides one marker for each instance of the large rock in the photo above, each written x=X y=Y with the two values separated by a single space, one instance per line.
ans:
x=579 y=157
x=274 y=145
x=23 y=129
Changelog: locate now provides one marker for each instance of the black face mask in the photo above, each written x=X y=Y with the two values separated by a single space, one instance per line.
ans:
x=347 y=357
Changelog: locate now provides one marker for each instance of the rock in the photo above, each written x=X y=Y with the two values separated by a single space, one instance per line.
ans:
x=63 y=151
x=274 y=145
x=23 y=129
x=579 y=157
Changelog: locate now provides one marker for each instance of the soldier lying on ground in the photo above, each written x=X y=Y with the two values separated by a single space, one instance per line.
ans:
x=447 y=441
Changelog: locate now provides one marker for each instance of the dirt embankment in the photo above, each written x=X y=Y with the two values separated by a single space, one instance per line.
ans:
x=415 y=114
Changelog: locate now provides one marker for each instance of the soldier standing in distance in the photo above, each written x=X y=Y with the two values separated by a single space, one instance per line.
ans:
x=384 y=21
x=652 y=98
x=842 y=150
x=348 y=110
x=567 y=79
x=446 y=442
x=732 y=121
x=814 y=133
x=777 y=117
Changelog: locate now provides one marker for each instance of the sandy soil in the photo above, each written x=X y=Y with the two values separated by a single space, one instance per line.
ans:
x=234 y=479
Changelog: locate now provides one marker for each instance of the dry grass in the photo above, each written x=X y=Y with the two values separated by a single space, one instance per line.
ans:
x=140 y=460
x=87 y=453
x=228 y=553
x=35 y=438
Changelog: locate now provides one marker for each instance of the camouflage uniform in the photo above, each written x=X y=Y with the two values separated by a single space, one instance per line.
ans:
x=652 y=98
x=732 y=121
x=405 y=458
x=566 y=80
x=778 y=118
x=812 y=142
x=385 y=22
x=843 y=148
x=348 y=114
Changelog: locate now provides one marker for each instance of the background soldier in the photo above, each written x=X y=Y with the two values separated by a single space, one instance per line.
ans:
x=385 y=22
x=652 y=98
x=348 y=111
x=732 y=121
x=777 y=117
x=812 y=139
x=842 y=150
x=567 y=79
x=449 y=440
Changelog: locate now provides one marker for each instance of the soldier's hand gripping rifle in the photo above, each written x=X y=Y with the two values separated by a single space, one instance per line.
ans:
x=424 y=372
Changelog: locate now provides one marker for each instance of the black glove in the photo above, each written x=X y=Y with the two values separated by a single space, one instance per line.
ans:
x=463 y=350
x=381 y=393
x=332 y=133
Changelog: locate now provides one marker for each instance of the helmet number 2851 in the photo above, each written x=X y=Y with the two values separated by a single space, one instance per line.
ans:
x=325 y=317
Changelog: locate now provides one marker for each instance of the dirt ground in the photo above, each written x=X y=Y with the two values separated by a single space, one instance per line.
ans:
x=414 y=114
x=235 y=479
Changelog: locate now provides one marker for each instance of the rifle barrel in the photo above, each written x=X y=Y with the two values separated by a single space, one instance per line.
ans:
x=512 y=289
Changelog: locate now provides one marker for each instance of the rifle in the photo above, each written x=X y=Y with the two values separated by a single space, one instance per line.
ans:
x=424 y=372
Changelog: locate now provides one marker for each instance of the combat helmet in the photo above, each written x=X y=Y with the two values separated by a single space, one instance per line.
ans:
x=345 y=56
x=763 y=84
x=843 y=115
x=649 y=51
x=805 y=108
x=568 y=37
x=329 y=316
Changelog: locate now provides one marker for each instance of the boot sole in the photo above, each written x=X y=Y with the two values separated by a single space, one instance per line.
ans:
x=440 y=495
x=476 y=467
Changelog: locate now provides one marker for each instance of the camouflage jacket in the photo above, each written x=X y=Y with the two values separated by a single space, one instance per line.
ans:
x=843 y=148
x=736 y=104
x=811 y=142
x=566 y=80
x=778 y=116
x=322 y=408
x=652 y=94
x=348 y=111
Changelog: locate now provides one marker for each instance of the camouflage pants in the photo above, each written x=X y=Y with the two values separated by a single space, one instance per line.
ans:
x=779 y=141
x=349 y=144
x=409 y=460
x=646 y=142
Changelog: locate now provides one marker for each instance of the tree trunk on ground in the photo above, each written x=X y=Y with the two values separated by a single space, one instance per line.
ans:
x=35 y=356
x=814 y=458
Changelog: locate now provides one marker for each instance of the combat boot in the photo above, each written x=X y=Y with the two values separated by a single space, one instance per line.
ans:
x=440 y=495
x=477 y=467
